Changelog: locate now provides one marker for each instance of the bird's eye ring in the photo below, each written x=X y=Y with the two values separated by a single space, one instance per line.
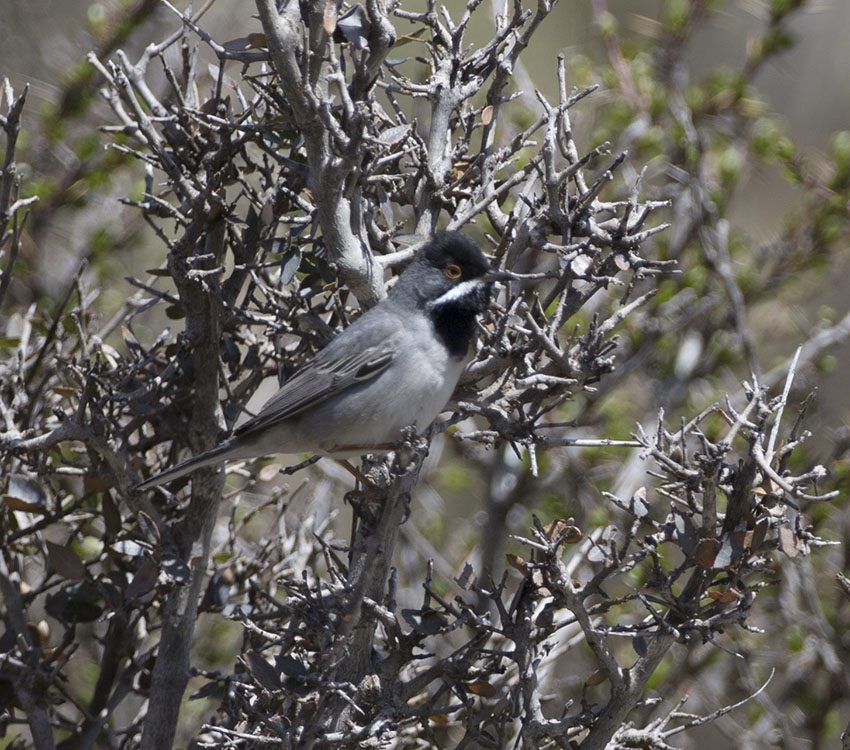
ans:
x=453 y=272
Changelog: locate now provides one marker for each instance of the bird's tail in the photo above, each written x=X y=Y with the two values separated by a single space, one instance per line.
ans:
x=216 y=455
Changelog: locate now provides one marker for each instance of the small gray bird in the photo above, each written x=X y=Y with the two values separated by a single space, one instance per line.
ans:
x=395 y=366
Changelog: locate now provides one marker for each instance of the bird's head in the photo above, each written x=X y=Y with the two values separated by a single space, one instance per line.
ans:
x=450 y=273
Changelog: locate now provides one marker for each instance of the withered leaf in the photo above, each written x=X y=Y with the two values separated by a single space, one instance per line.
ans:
x=267 y=212
x=77 y=602
x=25 y=494
x=289 y=666
x=639 y=506
x=130 y=548
x=560 y=526
x=724 y=597
x=573 y=535
x=65 y=562
x=596 y=553
x=705 y=553
x=754 y=538
x=39 y=632
x=213 y=689
x=787 y=542
x=240 y=44
x=65 y=390
x=354 y=26
x=329 y=16
x=16 y=503
x=289 y=266
x=143 y=580
x=482 y=688
x=466 y=578
x=96 y=483
x=427 y=622
x=515 y=561
x=597 y=678
x=263 y=672
x=394 y=134
x=685 y=533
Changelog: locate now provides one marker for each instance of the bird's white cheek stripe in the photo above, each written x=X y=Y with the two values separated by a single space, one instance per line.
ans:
x=460 y=291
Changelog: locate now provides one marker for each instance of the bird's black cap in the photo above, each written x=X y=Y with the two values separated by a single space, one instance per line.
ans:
x=453 y=247
x=450 y=279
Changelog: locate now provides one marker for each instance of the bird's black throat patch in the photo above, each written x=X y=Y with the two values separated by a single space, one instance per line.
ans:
x=454 y=322
x=454 y=326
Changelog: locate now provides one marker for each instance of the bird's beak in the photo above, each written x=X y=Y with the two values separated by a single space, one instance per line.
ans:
x=494 y=274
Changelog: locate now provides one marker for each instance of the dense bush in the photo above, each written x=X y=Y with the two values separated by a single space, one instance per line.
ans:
x=595 y=533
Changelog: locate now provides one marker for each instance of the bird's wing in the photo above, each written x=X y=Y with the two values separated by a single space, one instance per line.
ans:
x=327 y=375
x=330 y=372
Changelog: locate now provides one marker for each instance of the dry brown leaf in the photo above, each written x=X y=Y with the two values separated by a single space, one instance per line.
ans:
x=466 y=578
x=64 y=390
x=329 y=17
x=724 y=597
x=482 y=688
x=65 y=562
x=143 y=580
x=754 y=537
x=787 y=542
x=706 y=553
x=515 y=561
x=96 y=483
x=264 y=673
x=597 y=678
x=25 y=494
x=17 y=503
x=39 y=632
x=561 y=526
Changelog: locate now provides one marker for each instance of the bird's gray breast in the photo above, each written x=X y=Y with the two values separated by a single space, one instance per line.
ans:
x=412 y=390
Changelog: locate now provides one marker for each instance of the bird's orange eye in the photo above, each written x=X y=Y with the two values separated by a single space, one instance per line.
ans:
x=453 y=272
